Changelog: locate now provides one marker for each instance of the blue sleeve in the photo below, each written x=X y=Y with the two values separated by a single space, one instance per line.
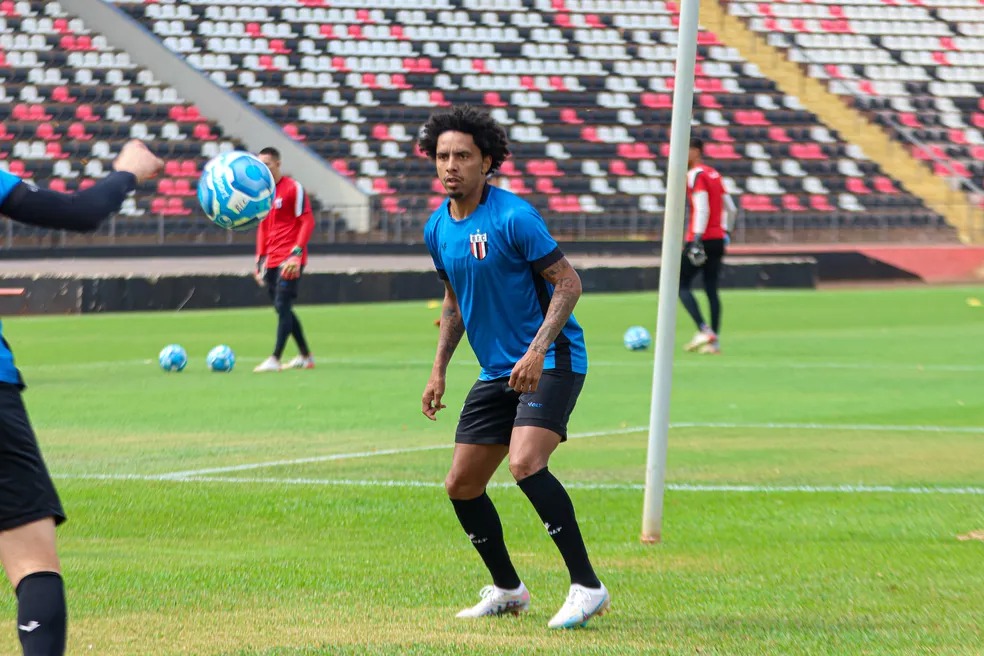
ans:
x=7 y=183
x=430 y=238
x=532 y=239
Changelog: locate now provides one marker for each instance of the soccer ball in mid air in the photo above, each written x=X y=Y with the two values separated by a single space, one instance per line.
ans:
x=221 y=358
x=172 y=358
x=637 y=338
x=236 y=190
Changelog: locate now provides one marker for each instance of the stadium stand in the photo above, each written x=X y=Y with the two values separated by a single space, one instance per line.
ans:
x=916 y=70
x=584 y=88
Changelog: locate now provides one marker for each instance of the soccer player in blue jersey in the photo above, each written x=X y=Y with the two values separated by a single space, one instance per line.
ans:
x=29 y=504
x=509 y=287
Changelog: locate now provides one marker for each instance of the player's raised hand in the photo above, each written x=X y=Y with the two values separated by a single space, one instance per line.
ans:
x=526 y=374
x=430 y=403
x=137 y=159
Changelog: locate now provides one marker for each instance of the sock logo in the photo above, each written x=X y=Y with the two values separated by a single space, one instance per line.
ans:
x=476 y=540
x=552 y=531
x=29 y=627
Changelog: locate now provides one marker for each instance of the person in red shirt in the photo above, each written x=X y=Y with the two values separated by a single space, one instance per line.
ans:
x=712 y=213
x=281 y=253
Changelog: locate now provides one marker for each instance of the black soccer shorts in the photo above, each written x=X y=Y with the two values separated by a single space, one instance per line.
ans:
x=492 y=409
x=278 y=286
x=26 y=491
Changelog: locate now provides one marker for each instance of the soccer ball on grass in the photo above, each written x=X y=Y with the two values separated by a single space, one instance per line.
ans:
x=637 y=338
x=221 y=358
x=172 y=358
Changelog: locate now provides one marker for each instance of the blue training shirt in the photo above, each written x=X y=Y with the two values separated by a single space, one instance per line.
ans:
x=493 y=260
x=8 y=372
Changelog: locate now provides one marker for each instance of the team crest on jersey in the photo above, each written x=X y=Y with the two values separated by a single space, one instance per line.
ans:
x=479 y=244
x=278 y=203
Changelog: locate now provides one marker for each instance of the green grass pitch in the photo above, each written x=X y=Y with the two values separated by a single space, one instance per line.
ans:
x=820 y=472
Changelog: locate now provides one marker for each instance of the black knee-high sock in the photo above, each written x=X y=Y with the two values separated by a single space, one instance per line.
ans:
x=481 y=522
x=298 y=334
x=41 y=614
x=554 y=506
x=285 y=324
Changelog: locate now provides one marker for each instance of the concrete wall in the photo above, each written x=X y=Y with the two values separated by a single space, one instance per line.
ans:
x=76 y=294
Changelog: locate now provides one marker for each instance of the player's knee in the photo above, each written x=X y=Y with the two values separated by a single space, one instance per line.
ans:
x=282 y=305
x=522 y=467
x=459 y=487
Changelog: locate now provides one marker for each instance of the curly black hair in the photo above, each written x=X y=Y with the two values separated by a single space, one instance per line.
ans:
x=489 y=136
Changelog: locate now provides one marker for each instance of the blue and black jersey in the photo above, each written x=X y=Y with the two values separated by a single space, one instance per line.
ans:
x=493 y=260
x=8 y=372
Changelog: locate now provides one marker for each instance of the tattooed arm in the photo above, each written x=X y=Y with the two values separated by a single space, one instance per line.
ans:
x=452 y=330
x=567 y=290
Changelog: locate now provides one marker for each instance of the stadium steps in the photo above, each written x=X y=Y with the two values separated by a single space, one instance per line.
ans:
x=852 y=125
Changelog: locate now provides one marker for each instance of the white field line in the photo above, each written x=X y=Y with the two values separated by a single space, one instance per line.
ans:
x=300 y=461
x=360 y=454
x=886 y=428
x=633 y=487
x=574 y=436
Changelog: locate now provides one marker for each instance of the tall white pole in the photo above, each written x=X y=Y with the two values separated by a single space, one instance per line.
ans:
x=669 y=272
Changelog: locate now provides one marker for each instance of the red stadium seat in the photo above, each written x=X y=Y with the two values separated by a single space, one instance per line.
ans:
x=792 y=203
x=508 y=168
x=342 y=167
x=53 y=150
x=46 y=132
x=545 y=186
x=293 y=132
x=857 y=186
x=381 y=186
x=805 y=151
x=821 y=203
x=78 y=132
x=392 y=205
x=619 y=168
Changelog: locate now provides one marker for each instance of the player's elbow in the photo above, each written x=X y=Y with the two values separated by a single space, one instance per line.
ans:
x=569 y=285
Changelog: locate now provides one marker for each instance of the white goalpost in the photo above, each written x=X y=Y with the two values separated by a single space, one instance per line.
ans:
x=669 y=272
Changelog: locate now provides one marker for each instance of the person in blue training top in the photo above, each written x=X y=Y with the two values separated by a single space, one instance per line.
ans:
x=29 y=505
x=509 y=287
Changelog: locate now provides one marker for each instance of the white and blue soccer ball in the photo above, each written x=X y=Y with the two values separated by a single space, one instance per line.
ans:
x=221 y=358
x=172 y=358
x=236 y=190
x=637 y=338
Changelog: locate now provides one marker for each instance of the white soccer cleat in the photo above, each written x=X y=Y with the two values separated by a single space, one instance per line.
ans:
x=713 y=348
x=701 y=338
x=582 y=604
x=497 y=601
x=300 y=362
x=270 y=364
